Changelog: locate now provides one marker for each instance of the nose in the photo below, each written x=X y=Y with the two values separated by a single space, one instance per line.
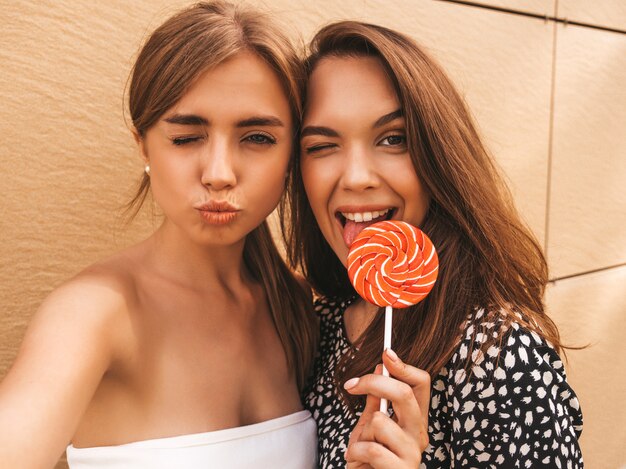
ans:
x=359 y=171
x=218 y=171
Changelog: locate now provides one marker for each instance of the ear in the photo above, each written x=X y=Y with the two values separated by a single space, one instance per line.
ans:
x=141 y=145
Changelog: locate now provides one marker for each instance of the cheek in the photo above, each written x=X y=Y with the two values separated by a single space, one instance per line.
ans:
x=315 y=184
x=169 y=183
x=401 y=177
x=266 y=182
x=270 y=188
x=416 y=200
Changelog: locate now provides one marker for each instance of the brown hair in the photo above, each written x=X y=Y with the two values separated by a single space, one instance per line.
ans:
x=488 y=257
x=196 y=39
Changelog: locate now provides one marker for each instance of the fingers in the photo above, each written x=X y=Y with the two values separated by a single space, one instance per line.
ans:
x=379 y=442
x=401 y=394
x=372 y=404
x=358 y=465
x=381 y=429
x=409 y=390
x=418 y=380
x=368 y=453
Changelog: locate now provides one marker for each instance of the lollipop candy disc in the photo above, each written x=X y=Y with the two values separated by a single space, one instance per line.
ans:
x=392 y=263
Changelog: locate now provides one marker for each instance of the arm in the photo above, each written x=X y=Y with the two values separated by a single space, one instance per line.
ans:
x=520 y=413
x=66 y=350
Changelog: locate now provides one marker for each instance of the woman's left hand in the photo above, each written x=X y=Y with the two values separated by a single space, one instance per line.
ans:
x=378 y=441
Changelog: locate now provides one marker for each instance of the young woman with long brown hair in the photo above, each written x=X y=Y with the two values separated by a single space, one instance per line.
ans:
x=476 y=377
x=189 y=348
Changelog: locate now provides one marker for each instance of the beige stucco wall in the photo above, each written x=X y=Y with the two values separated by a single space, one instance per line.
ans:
x=549 y=98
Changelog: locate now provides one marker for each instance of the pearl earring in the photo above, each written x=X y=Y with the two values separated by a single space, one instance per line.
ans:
x=147 y=169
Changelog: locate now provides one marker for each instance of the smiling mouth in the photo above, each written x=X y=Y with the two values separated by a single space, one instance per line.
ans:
x=355 y=222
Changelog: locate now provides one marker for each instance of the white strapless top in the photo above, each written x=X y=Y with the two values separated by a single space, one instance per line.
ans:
x=288 y=442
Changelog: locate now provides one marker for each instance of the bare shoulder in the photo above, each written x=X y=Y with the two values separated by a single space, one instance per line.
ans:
x=81 y=331
x=103 y=289
x=95 y=305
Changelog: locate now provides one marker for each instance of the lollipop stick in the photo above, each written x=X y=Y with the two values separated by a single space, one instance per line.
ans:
x=386 y=345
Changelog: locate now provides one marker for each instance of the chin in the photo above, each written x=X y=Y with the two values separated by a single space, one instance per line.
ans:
x=342 y=253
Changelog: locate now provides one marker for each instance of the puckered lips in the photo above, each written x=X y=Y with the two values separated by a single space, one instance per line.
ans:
x=355 y=219
x=217 y=212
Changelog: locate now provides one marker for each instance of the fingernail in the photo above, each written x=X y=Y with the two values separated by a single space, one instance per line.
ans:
x=350 y=383
x=392 y=355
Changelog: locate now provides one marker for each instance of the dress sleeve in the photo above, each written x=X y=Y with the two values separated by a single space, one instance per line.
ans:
x=513 y=407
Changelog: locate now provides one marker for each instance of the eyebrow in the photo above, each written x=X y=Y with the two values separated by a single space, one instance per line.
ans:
x=317 y=130
x=328 y=132
x=388 y=118
x=186 y=119
x=261 y=121
x=255 y=121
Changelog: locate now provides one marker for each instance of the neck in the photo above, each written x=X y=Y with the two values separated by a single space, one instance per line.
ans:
x=357 y=317
x=365 y=309
x=171 y=253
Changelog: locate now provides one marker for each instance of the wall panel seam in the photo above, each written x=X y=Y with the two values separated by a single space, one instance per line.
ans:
x=588 y=272
x=550 y=135
x=554 y=18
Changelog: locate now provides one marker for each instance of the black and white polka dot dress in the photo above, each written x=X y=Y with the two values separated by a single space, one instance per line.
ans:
x=515 y=409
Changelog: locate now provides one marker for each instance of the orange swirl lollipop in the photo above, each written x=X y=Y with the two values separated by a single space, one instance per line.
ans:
x=395 y=265
x=392 y=263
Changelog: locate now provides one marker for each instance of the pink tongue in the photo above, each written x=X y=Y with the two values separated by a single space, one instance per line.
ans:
x=352 y=228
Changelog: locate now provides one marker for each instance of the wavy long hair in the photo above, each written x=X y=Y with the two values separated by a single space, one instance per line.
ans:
x=488 y=256
x=196 y=39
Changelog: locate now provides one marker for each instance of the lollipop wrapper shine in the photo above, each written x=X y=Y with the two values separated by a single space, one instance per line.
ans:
x=392 y=263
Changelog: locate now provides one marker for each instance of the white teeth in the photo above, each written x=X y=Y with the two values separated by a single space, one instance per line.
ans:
x=364 y=216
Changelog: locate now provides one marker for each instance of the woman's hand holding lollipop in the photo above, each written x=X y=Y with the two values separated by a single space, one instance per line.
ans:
x=378 y=441
x=391 y=264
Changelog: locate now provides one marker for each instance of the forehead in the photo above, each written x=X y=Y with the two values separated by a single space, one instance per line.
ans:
x=243 y=85
x=350 y=85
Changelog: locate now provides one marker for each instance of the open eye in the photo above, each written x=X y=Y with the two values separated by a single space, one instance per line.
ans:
x=178 y=141
x=394 y=140
x=260 y=138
